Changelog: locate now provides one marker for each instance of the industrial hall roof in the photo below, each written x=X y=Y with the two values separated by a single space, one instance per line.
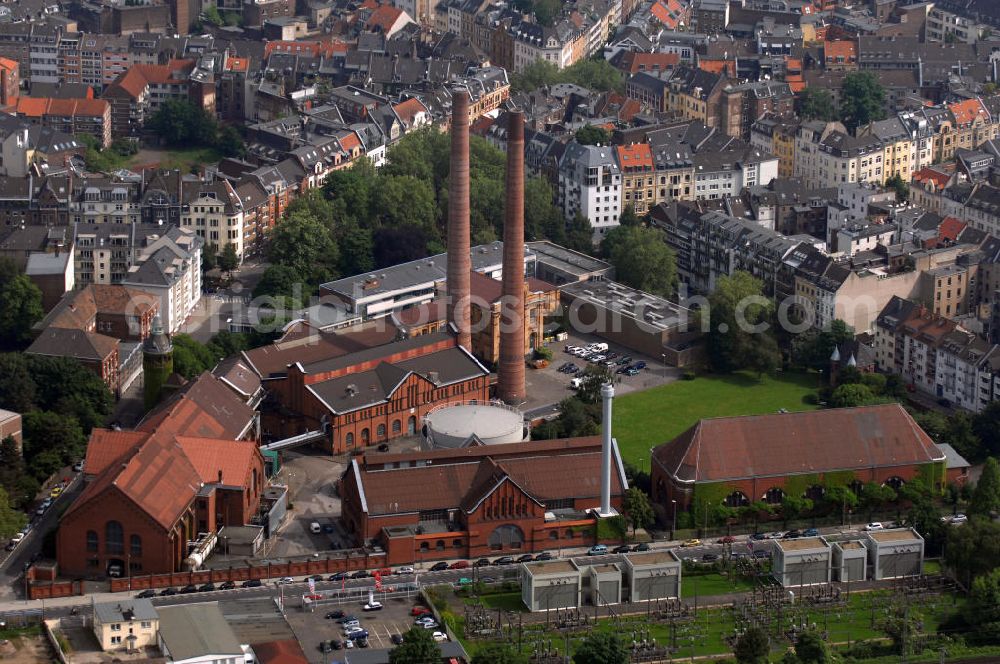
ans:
x=732 y=448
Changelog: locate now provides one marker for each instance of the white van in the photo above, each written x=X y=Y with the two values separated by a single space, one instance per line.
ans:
x=598 y=348
x=314 y=528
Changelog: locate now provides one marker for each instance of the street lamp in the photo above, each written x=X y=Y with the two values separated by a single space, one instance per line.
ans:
x=673 y=523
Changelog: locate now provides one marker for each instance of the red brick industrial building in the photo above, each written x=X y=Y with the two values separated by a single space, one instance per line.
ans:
x=473 y=501
x=738 y=460
x=151 y=491
x=368 y=396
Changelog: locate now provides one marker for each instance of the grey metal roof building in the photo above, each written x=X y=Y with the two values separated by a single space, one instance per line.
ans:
x=197 y=631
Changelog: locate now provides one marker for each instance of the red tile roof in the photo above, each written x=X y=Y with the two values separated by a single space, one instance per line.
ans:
x=275 y=358
x=384 y=18
x=205 y=408
x=139 y=77
x=635 y=61
x=280 y=652
x=637 y=156
x=350 y=142
x=731 y=448
x=8 y=64
x=668 y=12
x=927 y=174
x=407 y=110
x=951 y=228
x=544 y=470
x=211 y=456
x=718 y=66
x=107 y=446
x=841 y=51
x=967 y=111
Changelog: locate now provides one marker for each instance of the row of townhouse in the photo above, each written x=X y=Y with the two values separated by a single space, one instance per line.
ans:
x=826 y=155
x=936 y=355
x=515 y=42
x=683 y=161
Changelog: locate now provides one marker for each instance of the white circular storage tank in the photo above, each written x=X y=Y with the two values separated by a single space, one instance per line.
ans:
x=492 y=423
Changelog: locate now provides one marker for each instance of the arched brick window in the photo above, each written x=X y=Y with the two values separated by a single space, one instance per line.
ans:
x=114 y=538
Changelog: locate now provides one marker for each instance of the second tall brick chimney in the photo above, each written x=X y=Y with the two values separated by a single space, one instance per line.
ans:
x=459 y=259
x=510 y=382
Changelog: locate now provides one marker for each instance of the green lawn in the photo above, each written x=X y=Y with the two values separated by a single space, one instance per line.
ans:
x=182 y=159
x=506 y=601
x=646 y=419
x=706 y=585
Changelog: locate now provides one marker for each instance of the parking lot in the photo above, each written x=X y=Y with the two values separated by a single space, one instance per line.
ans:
x=312 y=628
x=549 y=386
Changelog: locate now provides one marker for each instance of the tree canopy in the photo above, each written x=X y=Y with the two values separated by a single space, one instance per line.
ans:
x=862 y=99
x=816 y=103
x=638 y=509
x=641 y=259
x=753 y=647
x=601 y=648
x=498 y=653
x=182 y=123
x=418 y=647
x=591 y=135
x=738 y=315
x=973 y=550
x=20 y=306
x=597 y=75
x=813 y=348
x=986 y=496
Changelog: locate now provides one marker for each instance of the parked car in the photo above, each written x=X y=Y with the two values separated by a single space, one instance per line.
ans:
x=360 y=574
x=315 y=577
x=78 y=466
x=425 y=620
x=526 y=558
x=207 y=588
x=336 y=644
x=439 y=567
x=758 y=536
x=642 y=546
x=623 y=548
x=334 y=615
x=285 y=580
x=339 y=576
x=777 y=534
x=362 y=642
x=189 y=588
x=439 y=636
x=383 y=447
x=597 y=550
x=325 y=647
x=639 y=365
x=397 y=639
x=631 y=371
x=420 y=611
x=459 y=564
x=373 y=605
x=727 y=539
x=544 y=555
x=959 y=518
x=691 y=542
x=55 y=492
x=429 y=625
x=146 y=594
x=252 y=583
x=358 y=635
x=328 y=528
x=352 y=628
x=709 y=557
x=792 y=534
x=504 y=560
x=348 y=620
x=167 y=592
x=405 y=569
x=874 y=525
x=810 y=532
x=482 y=562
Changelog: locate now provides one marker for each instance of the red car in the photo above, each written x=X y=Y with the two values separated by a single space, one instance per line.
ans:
x=459 y=564
x=728 y=539
x=420 y=611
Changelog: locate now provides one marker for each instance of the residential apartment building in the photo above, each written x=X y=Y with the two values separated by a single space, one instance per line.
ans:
x=776 y=135
x=590 y=184
x=168 y=266
x=826 y=155
x=71 y=116
x=638 y=176
x=216 y=214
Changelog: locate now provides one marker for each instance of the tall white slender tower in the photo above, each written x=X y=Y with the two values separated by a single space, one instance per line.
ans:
x=607 y=395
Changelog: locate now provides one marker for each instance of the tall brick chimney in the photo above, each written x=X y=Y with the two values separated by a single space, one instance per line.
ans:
x=510 y=383
x=459 y=260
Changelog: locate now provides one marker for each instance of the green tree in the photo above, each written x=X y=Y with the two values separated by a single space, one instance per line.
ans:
x=209 y=257
x=66 y=387
x=638 y=509
x=851 y=396
x=739 y=336
x=792 y=507
x=229 y=260
x=305 y=244
x=900 y=186
x=546 y=11
x=191 y=358
x=50 y=442
x=406 y=201
x=580 y=234
x=285 y=285
x=357 y=248
x=11 y=520
x=212 y=15
x=628 y=217
x=20 y=485
x=418 y=647
x=229 y=142
x=986 y=425
x=973 y=550
x=641 y=259
x=601 y=648
x=498 y=653
x=900 y=625
x=594 y=377
x=816 y=103
x=181 y=123
x=598 y=75
x=539 y=73
x=592 y=135
x=986 y=496
x=20 y=306
x=983 y=609
x=813 y=348
x=753 y=647
x=810 y=648
x=226 y=344
x=862 y=99
x=17 y=389
x=959 y=433
x=875 y=496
